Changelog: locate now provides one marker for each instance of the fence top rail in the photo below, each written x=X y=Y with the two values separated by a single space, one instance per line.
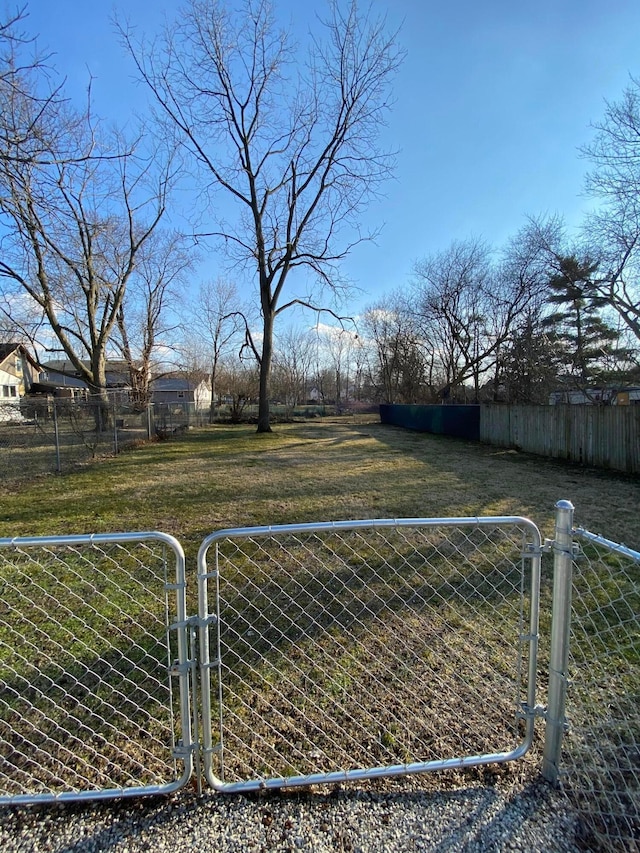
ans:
x=581 y=533
x=358 y=524
x=95 y=539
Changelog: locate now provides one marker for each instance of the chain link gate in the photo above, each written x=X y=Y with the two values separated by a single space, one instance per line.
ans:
x=332 y=652
x=95 y=667
x=354 y=650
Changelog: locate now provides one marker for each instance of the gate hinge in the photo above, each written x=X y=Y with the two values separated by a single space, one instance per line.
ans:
x=527 y=712
x=529 y=638
x=212 y=664
x=178 y=668
x=202 y=622
x=183 y=752
x=549 y=546
x=195 y=622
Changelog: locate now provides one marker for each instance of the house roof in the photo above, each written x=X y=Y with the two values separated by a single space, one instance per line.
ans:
x=64 y=365
x=7 y=350
x=117 y=373
x=173 y=383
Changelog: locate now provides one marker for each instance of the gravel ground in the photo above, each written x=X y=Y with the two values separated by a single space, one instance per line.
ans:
x=358 y=820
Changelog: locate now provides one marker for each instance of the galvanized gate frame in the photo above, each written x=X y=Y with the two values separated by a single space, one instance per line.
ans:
x=196 y=748
x=183 y=668
x=206 y=619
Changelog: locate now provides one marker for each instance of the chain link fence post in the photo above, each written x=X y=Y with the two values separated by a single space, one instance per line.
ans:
x=57 y=437
x=560 y=628
x=116 y=449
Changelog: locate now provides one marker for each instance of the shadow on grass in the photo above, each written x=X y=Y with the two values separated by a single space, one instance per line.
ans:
x=359 y=648
x=87 y=700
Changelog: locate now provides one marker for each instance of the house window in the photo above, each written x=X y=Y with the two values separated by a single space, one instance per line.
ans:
x=9 y=391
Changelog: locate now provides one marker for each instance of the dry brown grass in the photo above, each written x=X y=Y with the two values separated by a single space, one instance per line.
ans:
x=329 y=470
x=314 y=471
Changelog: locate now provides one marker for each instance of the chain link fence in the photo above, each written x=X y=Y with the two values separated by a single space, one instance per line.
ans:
x=91 y=700
x=352 y=653
x=600 y=765
x=327 y=652
x=52 y=435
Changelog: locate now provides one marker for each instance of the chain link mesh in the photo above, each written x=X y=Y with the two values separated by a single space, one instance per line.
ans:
x=368 y=648
x=54 y=434
x=86 y=702
x=334 y=650
x=601 y=750
x=43 y=435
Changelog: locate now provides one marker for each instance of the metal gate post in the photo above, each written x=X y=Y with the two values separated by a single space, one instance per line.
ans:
x=560 y=627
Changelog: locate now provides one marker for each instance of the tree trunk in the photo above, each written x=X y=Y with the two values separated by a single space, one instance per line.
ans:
x=98 y=390
x=264 y=418
x=212 y=404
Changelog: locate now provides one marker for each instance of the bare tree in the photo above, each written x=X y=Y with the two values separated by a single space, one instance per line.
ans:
x=338 y=344
x=469 y=304
x=147 y=316
x=238 y=382
x=613 y=232
x=72 y=234
x=452 y=296
x=31 y=101
x=293 y=144
x=35 y=119
x=399 y=370
x=218 y=323
x=519 y=291
x=293 y=359
x=77 y=206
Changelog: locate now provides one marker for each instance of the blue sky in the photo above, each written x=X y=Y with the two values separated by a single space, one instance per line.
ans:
x=492 y=104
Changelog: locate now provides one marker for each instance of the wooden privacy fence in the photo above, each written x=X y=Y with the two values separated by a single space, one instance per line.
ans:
x=602 y=436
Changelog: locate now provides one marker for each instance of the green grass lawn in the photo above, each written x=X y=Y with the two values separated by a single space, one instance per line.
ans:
x=220 y=477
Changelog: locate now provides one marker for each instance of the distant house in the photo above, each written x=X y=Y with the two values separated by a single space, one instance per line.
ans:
x=61 y=379
x=596 y=397
x=178 y=391
x=19 y=371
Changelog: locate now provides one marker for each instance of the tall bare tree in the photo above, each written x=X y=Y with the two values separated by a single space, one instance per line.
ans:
x=147 y=319
x=294 y=355
x=217 y=322
x=293 y=144
x=76 y=209
x=399 y=370
x=614 y=181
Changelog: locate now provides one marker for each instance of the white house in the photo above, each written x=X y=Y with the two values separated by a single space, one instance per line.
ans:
x=179 y=391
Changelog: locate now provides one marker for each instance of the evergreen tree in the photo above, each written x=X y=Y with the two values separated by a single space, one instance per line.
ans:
x=532 y=362
x=588 y=343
